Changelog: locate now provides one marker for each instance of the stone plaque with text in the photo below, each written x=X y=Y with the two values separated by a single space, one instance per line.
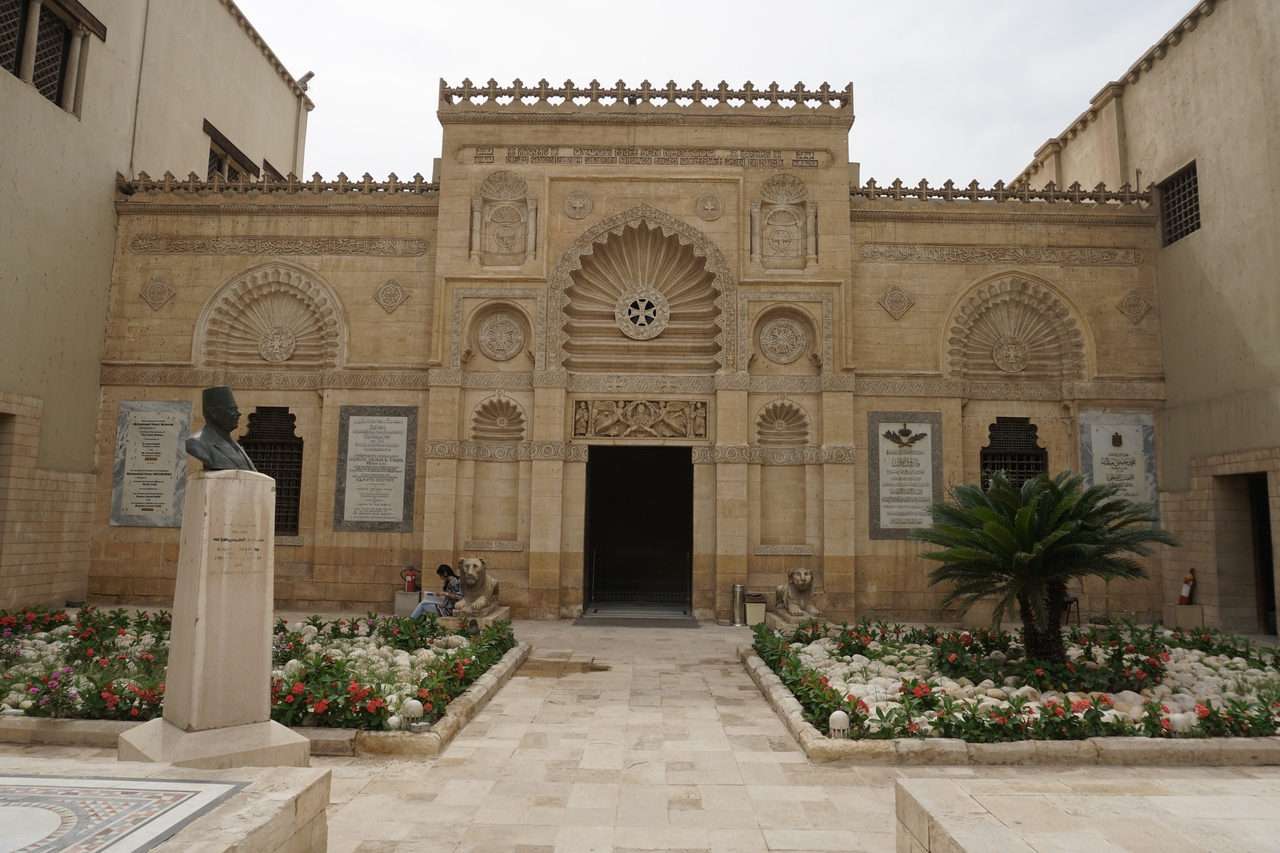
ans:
x=1120 y=449
x=377 y=453
x=905 y=471
x=150 y=474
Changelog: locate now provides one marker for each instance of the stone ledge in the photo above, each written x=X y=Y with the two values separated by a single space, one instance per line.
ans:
x=1113 y=751
x=106 y=733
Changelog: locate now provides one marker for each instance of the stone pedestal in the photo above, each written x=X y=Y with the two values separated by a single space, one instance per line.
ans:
x=217 y=686
x=406 y=602
x=1184 y=615
x=497 y=614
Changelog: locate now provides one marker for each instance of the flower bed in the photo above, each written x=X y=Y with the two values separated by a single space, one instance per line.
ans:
x=1121 y=680
x=341 y=673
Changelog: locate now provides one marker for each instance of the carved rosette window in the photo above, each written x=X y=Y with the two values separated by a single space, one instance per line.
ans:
x=1015 y=329
x=783 y=225
x=503 y=221
x=277 y=452
x=643 y=300
x=271 y=317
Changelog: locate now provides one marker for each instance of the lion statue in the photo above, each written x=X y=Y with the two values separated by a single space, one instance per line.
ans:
x=479 y=591
x=795 y=597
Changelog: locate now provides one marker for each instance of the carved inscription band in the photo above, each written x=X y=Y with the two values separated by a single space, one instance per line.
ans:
x=569 y=155
x=154 y=245
x=1062 y=255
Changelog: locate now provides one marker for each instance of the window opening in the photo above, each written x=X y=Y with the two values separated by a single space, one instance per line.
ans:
x=226 y=159
x=1012 y=447
x=1180 y=203
x=43 y=42
x=52 y=44
x=277 y=452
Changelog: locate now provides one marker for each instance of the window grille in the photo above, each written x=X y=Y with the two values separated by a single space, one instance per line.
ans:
x=1012 y=447
x=51 y=54
x=10 y=33
x=275 y=450
x=1180 y=202
x=215 y=163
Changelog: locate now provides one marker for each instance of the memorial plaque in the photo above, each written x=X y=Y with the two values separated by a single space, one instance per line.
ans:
x=377 y=452
x=905 y=471
x=150 y=473
x=1120 y=449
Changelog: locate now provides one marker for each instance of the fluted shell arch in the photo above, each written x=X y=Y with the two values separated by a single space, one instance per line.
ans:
x=498 y=419
x=274 y=316
x=782 y=422
x=643 y=250
x=1015 y=329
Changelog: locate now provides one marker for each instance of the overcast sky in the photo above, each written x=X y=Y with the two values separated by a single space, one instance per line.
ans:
x=956 y=89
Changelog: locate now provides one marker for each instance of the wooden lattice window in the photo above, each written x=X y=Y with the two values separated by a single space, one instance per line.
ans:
x=10 y=33
x=1013 y=447
x=1180 y=203
x=52 y=43
x=275 y=450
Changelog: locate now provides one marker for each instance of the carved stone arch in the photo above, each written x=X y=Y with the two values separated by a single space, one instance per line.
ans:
x=276 y=315
x=1013 y=328
x=500 y=331
x=498 y=418
x=783 y=423
x=658 y=251
x=783 y=336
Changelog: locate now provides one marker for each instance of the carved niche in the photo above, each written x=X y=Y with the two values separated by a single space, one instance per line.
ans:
x=785 y=341
x=273 y=316
x=1015 y=329
x=499 y=418
x=504 y=221
x=784 y=232
x=499 y=332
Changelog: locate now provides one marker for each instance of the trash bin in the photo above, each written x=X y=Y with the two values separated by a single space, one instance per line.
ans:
x=739 y=605
x=755 y=608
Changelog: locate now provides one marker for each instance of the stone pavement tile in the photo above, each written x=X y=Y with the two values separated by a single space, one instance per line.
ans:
x=713 y=819
x=781 y=815
x=1023 y=813
x=569 y=817
x=859 y=800
x=492 y=838
x=593 y=796
x=786 y=793
x=829 y=816
x=661 y=838
x=884 y=842
x=1069 y=842
x=647 y=813
x=811 y=839
x=725 y=797
x=1218 y=807
x=584 y=839
x=758 y=773
x=740 y=840
x=345 y=836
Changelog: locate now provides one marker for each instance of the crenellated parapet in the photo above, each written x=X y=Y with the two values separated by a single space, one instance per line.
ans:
x=620 y=103
x=317 y=195
x=1000 y=192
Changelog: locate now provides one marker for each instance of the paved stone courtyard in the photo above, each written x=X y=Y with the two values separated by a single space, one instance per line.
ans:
x=671 y=747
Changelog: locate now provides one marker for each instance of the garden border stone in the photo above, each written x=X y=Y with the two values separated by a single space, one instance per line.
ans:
x=45 y=731
x=1116 y=751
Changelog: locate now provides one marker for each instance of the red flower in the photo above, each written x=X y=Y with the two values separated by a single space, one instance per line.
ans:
x=951 y=658
x=298 y=688
x=1039 y=672
x=133 y=711
x=321 y=706
x=289 y=697
x=1166 y=725
x=1202 y=711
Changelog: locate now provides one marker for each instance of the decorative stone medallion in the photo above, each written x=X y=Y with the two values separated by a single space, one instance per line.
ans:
x=390 y=295
x=577 y=205
x=157 y=293
x=277 y=344
x=708 y=207
x=1133 y=306
x=642 y=314
x=1010 y=354
x=500 y=337
x=783 y=340
x=896 y=302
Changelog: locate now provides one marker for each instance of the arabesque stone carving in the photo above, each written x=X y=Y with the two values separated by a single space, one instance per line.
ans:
x=156 y=293
x=795 y=597
x=896 y=301
x=390 y=295
x=479 y=590
x=1133 y=306
x=147 y=245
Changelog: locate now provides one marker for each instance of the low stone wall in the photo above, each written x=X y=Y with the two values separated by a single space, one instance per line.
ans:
x=104 y=733
x=1120 y=751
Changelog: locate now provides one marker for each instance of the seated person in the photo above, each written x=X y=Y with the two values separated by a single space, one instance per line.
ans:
x=451 y=594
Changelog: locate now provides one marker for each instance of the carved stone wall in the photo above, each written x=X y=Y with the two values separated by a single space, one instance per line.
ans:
x=503 y=221
x=1014 y=328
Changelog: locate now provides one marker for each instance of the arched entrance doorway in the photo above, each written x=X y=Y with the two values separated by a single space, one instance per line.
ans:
x=639 y=529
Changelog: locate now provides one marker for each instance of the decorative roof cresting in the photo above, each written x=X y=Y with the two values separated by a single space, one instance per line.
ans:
x=622 y=97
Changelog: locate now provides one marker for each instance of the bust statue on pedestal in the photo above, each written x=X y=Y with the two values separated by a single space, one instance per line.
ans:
x=213 y=444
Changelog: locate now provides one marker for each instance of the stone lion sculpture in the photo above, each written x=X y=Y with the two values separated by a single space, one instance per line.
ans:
x=795 y=597
x=479 y=591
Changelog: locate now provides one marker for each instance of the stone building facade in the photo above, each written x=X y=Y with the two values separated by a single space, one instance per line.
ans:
x=634 y=345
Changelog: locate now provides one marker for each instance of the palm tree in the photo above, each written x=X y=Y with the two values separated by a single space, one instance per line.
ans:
x=1024 y=544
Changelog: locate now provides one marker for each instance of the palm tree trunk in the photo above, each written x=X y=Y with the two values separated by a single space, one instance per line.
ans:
x=1044 y=645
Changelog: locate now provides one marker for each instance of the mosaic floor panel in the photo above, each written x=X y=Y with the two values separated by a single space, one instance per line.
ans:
x=43 y=814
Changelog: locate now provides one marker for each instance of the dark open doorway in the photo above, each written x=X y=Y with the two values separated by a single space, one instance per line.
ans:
x=1263 y=565
x=639 y=526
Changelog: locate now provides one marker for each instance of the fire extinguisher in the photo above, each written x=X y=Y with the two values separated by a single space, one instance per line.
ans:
x=410 y=575
x=1188 y=584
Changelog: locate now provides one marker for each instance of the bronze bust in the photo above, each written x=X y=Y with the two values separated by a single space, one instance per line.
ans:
x=213 y=444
